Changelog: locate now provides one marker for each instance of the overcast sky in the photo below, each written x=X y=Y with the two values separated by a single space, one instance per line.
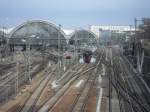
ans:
x=73 y=13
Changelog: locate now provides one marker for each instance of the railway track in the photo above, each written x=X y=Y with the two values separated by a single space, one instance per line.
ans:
x=26 y=104
x=28 y=107
x=4 y=68
x=31 y=102
x=76 y=97
x=51 y=102
x=78 y=74
x=71 y=94
x=79 y=105
x=75 y=100
x=52 y=90
x=129 y=87
x=90 y=102
x=8 y=79
x=8 y=83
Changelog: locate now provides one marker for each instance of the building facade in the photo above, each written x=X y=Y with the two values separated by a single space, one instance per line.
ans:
x=113 y=28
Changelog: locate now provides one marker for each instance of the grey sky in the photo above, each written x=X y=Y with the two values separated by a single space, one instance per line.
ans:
x=73 y=13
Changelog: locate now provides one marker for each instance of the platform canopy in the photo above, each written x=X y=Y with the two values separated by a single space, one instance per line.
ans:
x=38 y=32
x=83 y=38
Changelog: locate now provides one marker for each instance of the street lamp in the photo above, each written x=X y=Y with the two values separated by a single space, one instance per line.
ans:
x=28 y=52
x=139 y=65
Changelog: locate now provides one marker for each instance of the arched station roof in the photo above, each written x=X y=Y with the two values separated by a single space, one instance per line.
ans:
x=83 y=37
x=38 y=31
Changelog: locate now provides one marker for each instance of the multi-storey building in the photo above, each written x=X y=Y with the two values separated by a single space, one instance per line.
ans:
x=113 y=28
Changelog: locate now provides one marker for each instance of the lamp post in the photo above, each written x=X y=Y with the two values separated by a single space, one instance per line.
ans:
x=27 y=40
x=99 y=30
x=139 y=58
x=17 y=74
x=59 y=46
x=75 y=47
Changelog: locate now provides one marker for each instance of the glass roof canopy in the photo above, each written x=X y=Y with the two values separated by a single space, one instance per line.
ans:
x=38 y=32
x=83 y=38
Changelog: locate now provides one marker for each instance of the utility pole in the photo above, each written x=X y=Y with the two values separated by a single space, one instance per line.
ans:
x=43 y=54
x=59 y=58
x=17 y=74
x=138 y=55
x=75 y=47
x=29 y=57
x=99 y=37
